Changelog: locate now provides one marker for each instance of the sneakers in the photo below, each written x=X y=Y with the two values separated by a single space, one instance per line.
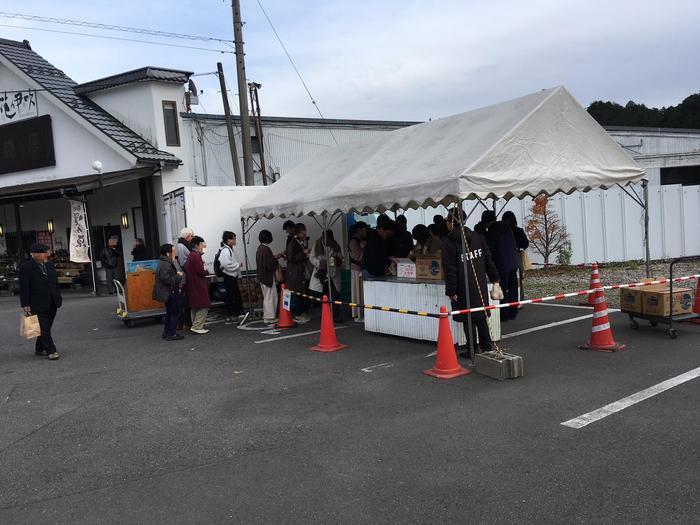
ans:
x=200 y=331
x=53 y=356
x=271 y=321
x=301 y=319
x=41 y=353
x=176 y=337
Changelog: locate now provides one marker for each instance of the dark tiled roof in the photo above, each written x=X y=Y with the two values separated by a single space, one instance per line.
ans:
x=143 y=74
x=62 y=87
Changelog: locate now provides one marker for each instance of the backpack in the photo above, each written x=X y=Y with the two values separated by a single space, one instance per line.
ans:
x=217 y=264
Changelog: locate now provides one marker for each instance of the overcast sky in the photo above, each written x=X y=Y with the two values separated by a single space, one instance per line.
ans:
x=395 y=59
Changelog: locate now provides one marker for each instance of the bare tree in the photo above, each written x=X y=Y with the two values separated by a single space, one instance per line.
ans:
x=546 y=232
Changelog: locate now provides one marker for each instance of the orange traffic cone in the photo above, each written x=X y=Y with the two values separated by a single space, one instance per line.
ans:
x=285 y=316
x=595 y=283
x=601 y=334
x=446 y=364
x=327 y=342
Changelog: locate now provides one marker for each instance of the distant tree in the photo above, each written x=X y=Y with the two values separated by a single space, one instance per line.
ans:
x=546 y=232
x=684 y=115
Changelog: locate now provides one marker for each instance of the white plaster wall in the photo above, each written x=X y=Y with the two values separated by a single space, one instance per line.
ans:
x=75 y=147
x=132 y=105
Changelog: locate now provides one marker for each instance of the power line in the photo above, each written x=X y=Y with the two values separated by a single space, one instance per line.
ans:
x=108 y=27
x=117 y=38
x=313 y=101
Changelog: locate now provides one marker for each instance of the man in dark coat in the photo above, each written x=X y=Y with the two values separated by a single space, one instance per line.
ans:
x=504 y=251
x=479 y=266
x=375 y=257
x=40 y=295
x=111 y=259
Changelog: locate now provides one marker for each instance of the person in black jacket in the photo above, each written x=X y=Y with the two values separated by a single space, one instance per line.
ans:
x=167 y=288
x=40 y=295
x=110 y=259
x=402 y=240
x=501 y=241
x=480 y=265
x=521 y=243
x=375 y=258
x=139 y=252
x=295 y=278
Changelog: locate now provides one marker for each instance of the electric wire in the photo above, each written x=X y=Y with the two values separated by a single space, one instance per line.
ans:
x=279 y=39
x=110 y=27
x=75 y=33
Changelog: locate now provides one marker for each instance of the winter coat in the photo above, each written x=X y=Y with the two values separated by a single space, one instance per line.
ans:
x=230 y=263
x=38 y=291
x=521 y=240
x=109 y=258
x=167 y=279
x=453 y=268
x=267 y=265
x=504 y=251
x=295 y=277
x=402 y=244
x=375 y=258
x=183 y=251
x=139 y=253
x=432 y=246
x=197 y=284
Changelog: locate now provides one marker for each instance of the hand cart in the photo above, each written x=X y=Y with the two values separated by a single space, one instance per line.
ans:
x=670 y=319
x=130 y=318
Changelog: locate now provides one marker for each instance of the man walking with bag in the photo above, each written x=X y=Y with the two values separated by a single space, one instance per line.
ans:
x=40 y=295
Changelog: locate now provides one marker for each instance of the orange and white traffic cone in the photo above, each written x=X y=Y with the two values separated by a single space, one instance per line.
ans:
x=446 y=364
x=595 y=283
x=285 y=316
x=328 y=342
x=601 y=334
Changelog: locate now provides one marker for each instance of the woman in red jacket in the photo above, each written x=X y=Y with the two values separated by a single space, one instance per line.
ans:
x=197 y=286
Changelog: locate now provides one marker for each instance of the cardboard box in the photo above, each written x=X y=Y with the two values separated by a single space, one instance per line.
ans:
x=631 y=300
x=429 y=267
x=405 y=269
x=656 y=300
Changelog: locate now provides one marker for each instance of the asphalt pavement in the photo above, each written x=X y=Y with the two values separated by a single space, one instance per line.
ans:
x=249 y=426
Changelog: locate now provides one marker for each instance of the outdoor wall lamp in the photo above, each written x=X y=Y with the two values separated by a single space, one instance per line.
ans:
x=49 y=225
x=125 y=221
x=2 y=231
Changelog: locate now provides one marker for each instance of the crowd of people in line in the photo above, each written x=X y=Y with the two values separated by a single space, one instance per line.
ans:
x=182 y=282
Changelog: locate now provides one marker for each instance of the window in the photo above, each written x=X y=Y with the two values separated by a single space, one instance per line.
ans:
x=685 y=175
x=172 y=132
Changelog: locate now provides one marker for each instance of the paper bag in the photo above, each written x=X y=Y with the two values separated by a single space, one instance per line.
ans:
x=525 y=263
x=29 y=326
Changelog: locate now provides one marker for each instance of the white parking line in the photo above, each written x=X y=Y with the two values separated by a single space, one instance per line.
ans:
x=596 y=415
x=564 y=305
x=370 y=369
x=292 y=336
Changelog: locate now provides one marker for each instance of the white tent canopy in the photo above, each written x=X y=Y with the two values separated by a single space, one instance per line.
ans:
x=540 y=143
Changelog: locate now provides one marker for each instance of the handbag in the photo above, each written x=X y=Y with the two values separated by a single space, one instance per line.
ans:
x=29 y=327
x=496 y=292
x=525 y=263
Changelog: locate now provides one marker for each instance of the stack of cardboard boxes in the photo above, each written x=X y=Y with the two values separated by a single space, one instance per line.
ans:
x=656 y=300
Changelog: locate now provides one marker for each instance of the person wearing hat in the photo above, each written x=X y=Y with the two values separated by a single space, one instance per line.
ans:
x=40 y=295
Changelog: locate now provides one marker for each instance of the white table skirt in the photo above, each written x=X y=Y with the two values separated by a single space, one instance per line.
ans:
x=419 y=295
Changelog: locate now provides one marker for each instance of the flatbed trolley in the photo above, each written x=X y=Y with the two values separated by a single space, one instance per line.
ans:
x=130 y=318
x=670 y=319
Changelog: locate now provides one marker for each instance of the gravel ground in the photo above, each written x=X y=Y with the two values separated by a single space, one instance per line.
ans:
x=540 y=282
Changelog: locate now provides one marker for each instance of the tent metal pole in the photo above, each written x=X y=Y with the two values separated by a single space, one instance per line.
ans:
x=247 y=266
x=325 y=250
x=647 y=249
x=465 y=269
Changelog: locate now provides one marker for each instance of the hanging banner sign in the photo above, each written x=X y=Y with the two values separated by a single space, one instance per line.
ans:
x=79 y=247
x=17 y=105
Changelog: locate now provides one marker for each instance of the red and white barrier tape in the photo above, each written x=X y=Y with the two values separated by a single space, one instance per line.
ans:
x=571 y=294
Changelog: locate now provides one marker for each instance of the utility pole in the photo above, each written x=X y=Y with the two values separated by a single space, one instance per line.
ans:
x=257 y=119
x=229 y=125
x=242 y=94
